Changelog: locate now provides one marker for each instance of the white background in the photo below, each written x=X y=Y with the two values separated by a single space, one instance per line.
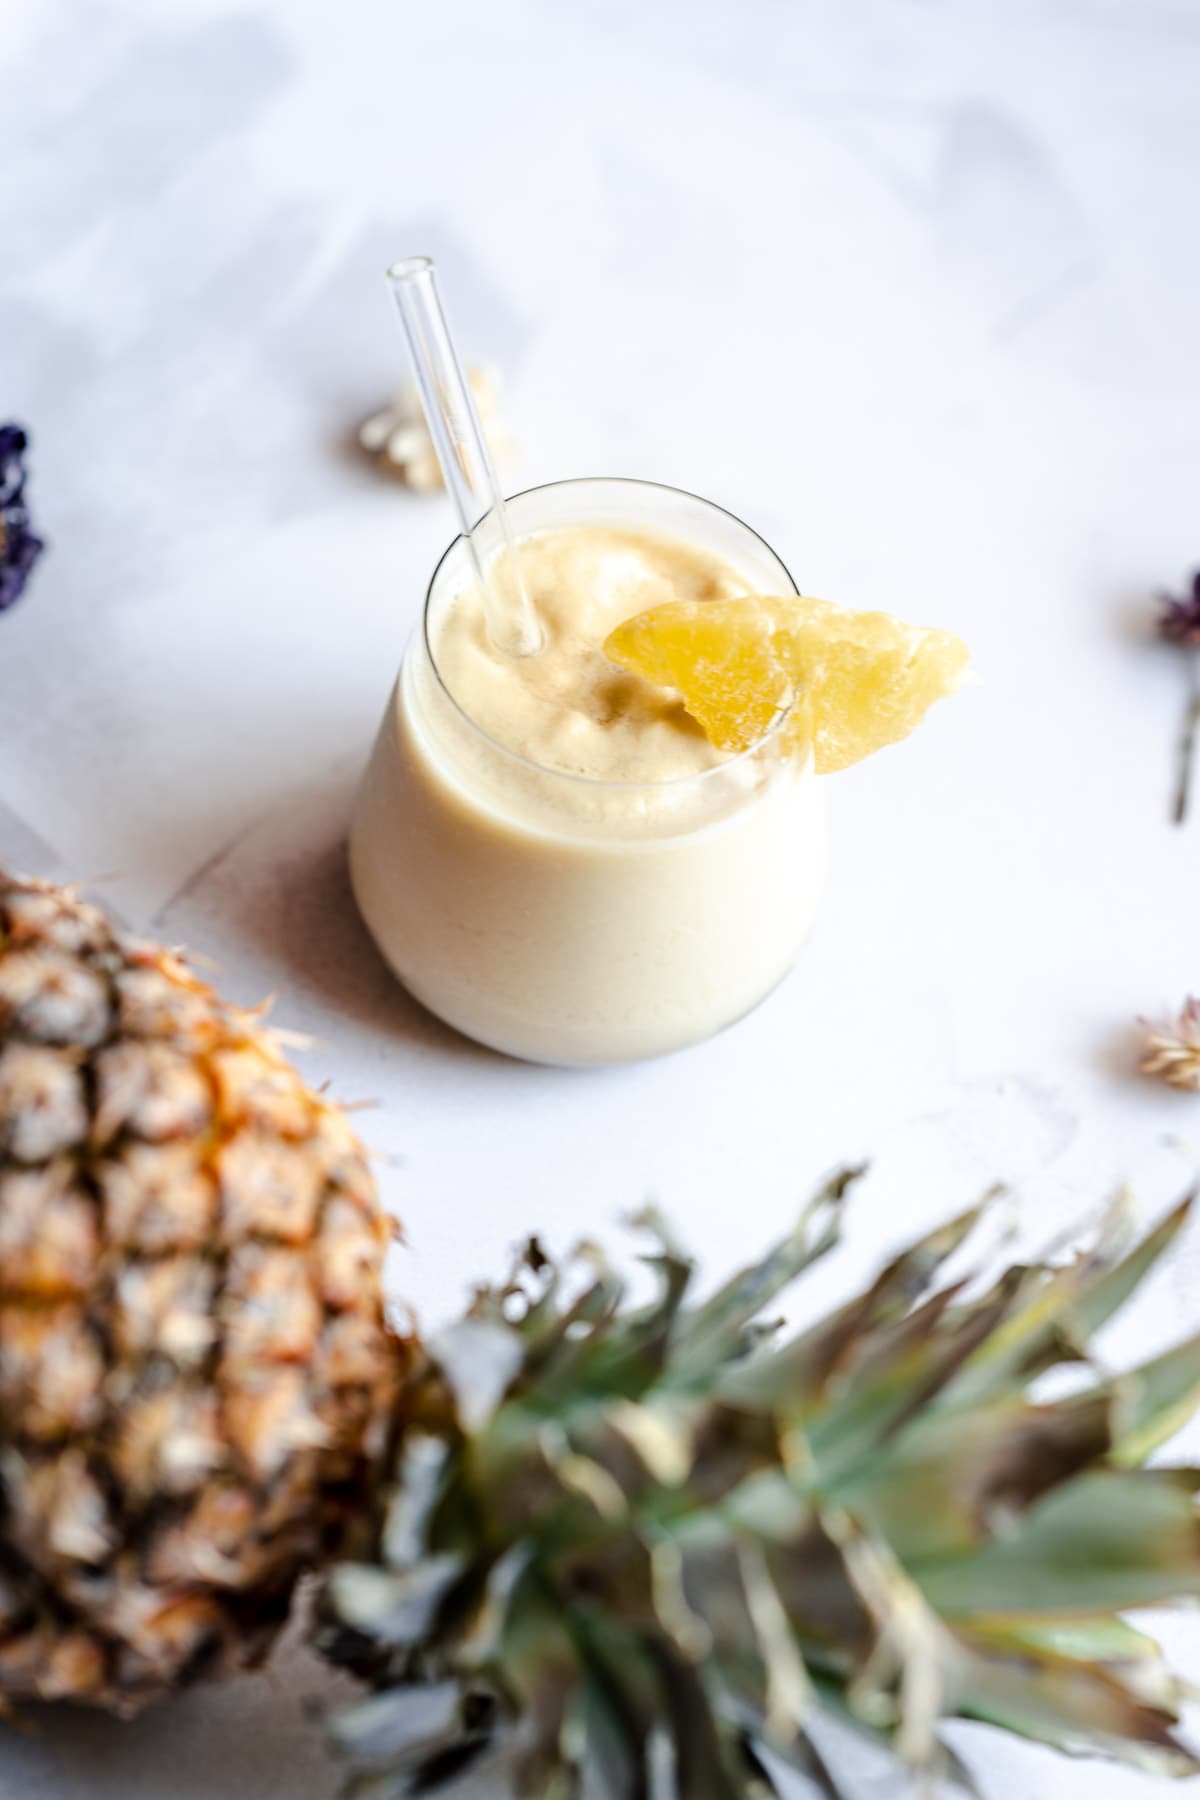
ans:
x=912 y=287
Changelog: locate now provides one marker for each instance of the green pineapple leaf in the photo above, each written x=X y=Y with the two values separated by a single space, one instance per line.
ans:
x=1063 y=1310
x=1154 y=1402
x=1103 y=1541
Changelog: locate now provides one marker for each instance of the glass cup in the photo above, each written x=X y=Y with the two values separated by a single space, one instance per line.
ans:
x=569 y=920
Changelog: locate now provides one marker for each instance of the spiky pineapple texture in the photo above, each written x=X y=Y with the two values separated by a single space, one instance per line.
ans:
x=652 y=1543
x=192 y=1348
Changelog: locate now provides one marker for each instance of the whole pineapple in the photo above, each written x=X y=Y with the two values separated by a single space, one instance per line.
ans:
x=193 y=1355
x=651 y=1546
x=649 y=1542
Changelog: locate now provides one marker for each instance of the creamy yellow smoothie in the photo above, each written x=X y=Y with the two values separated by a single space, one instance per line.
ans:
x=548 y=851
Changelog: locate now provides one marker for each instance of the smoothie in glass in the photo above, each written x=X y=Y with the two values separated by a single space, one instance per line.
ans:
x=548 y=851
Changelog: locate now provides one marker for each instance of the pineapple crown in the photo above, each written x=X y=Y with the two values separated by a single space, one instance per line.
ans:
x=660 y=1541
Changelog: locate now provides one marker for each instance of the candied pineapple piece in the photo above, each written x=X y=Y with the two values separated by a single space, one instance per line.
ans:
x=719 y=655
x=855 y=681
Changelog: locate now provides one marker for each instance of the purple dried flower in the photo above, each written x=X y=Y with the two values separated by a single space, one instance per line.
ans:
x=20 y=547
x=1179 y=621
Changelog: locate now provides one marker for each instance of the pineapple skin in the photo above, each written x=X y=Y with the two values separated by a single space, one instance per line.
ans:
x=194 y=1360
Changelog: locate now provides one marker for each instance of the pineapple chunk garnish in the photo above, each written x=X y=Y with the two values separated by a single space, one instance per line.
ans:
x=854 y=681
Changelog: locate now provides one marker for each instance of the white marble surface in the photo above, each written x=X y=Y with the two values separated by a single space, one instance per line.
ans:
x=913 y=288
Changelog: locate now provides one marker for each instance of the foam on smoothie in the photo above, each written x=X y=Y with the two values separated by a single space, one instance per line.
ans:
x=568 y=707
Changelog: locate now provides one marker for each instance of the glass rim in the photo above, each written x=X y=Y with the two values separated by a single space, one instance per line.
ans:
x=669 y=782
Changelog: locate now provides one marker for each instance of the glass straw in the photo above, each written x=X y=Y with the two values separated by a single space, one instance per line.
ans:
x=463 y=454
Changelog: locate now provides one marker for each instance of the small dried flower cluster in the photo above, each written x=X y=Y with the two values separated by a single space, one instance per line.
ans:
x=1172 y=1052
x=19 y=546
x=399 y=437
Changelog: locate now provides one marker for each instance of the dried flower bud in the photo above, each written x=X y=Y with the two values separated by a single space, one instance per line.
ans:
x=1179 y=621
x=399 y=436
x=1172 y=1052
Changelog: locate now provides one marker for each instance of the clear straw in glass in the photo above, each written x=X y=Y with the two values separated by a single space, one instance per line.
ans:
x=462 y=452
